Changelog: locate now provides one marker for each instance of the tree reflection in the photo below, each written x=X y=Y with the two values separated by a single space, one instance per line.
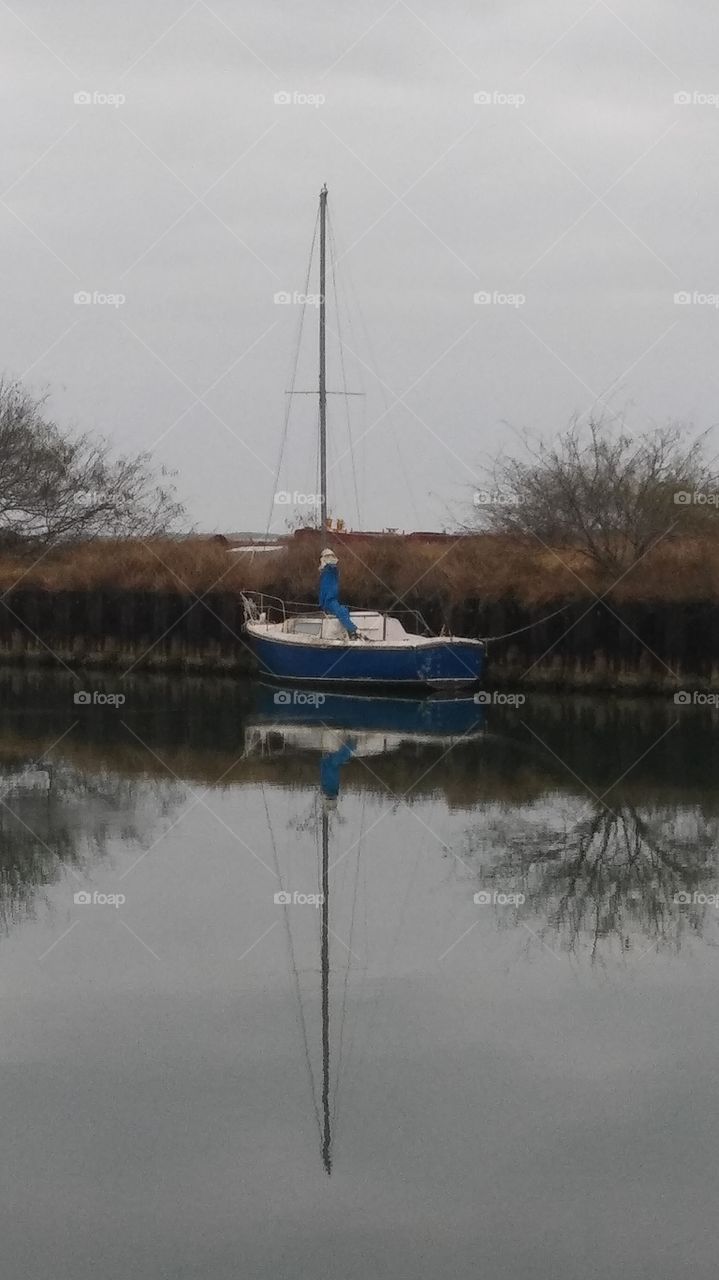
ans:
x=617 y=875
x=54 y=816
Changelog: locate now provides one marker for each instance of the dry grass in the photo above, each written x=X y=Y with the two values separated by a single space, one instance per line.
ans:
x=374 y=571
x=162 y=565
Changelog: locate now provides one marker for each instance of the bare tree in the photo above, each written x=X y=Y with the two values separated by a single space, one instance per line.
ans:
x=606 y=492
x=55 y=487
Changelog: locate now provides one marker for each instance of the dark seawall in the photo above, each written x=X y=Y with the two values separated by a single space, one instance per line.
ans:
x=601 y=644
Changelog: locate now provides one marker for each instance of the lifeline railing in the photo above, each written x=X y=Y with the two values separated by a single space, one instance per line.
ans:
x=277 y=610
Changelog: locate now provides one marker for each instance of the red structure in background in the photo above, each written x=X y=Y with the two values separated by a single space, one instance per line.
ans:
x=350 y=535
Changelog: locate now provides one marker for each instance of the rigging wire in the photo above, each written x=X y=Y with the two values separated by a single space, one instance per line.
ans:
x=333 y=264
x=382 y=981
x=293 y=378
x=293 y=962
x=354 y=298
x=349 y=963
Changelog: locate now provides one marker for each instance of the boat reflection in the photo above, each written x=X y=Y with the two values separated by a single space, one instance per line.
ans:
x=341 y=726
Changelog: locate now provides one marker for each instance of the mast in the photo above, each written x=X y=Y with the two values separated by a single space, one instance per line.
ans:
x=323 y=379
x=325 y=958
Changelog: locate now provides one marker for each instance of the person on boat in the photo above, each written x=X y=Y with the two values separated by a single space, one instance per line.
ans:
x=329 y=593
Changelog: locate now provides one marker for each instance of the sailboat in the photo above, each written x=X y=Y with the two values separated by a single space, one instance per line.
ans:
x=296 y=643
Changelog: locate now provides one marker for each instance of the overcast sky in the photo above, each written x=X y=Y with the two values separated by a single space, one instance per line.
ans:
x=581 y=186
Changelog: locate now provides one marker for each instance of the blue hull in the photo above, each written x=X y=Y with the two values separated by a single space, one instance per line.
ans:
x=446 y=661
x=433 y=714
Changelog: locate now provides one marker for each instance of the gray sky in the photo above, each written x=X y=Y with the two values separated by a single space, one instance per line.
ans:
x=594 y=199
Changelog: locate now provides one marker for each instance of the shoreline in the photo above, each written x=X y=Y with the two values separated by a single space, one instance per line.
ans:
x=569 y=678
x=647 y=647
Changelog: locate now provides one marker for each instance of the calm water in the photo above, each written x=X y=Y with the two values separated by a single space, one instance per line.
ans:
x=199 y=1081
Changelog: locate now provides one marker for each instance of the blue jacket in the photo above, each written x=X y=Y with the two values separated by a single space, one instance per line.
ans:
x=329 y=585
x=330 y=766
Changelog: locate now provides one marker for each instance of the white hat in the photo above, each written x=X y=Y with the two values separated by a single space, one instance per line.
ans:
x=328 y=556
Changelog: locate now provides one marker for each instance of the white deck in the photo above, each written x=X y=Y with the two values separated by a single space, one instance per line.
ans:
x=377 y=629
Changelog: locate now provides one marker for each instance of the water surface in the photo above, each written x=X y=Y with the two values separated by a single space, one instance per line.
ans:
x=194 y=1086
